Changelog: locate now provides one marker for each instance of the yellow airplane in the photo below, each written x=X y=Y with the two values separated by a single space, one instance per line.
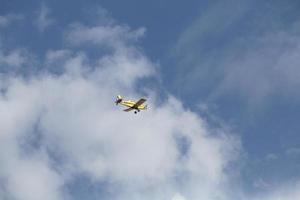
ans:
x=132 y=105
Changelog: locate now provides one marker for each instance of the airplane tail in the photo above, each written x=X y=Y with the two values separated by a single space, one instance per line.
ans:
x=118 y=100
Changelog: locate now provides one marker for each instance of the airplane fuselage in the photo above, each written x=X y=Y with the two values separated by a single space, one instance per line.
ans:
x=131 y=104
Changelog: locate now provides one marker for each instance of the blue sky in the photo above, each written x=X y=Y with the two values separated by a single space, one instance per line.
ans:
x=222 y=81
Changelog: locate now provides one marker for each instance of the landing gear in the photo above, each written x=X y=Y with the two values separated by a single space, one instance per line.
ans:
x=135 y=112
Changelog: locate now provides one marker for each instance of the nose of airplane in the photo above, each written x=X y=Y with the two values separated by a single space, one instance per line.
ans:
x=118 y=101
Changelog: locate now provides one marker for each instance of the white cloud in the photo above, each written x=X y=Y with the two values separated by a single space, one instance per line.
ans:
x=3 y=21
x=44 y=20
x=15 y=58
x=55 y=127
x=112 y=35
x=271 y=157
x=178 y=197
x=293 y=152
x=261 y=184
x=34 y=180
x=216 y=51
x=56 y=55
x=25 y=176
x=72 y=116
x=8 y=19
x=286 y=192
x=218 y=18
x=219 y=55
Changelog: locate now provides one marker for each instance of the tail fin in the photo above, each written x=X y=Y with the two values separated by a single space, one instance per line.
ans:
x=118 y=100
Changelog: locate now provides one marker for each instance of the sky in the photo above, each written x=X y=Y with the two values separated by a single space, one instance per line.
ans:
x=221 y=79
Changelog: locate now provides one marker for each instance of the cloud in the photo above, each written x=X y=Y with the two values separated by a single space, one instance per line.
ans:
x=271 y=157
x=286 y=192
x=241 y=56
x=293 y=152
x=262 y=184
x=8 y=19
x=57 y=126
x=27 y=181
x=216 y=20
x=14 y=58
x=55 y=55
x=230 y=51
x=23 y=176
x=178 y=197
x=271 y=65
x=43 y=20
x=111 y=35
x=78 y=121
x=3 y=21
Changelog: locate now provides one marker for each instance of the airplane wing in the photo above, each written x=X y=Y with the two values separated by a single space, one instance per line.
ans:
x=128 y=109
x=140 y=102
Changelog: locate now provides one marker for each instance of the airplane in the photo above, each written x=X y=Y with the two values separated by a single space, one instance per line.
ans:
x=132 y=105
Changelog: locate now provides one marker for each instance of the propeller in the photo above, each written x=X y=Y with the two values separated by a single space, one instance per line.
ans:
x=118 y=100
